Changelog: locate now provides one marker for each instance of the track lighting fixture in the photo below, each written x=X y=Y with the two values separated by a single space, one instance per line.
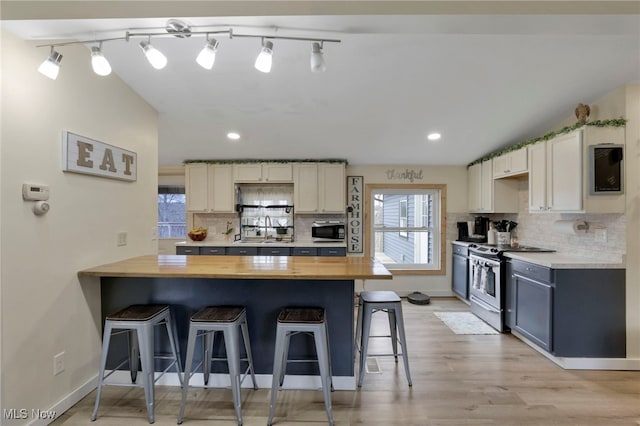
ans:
x=155 y=57
x=207 y=55
x=99 y=63
x=176 y=28
x=265 y=57
x=317 y=58
x=51 y=66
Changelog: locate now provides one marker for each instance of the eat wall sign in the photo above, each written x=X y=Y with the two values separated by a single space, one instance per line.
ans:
x=87 y=156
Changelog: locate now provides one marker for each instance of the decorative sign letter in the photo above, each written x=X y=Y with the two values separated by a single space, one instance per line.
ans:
x=90 y=157
x=354 y=214
x=406 y=174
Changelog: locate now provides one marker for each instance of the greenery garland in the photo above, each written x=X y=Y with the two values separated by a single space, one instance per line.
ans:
x=614 y=122
x=253 y=160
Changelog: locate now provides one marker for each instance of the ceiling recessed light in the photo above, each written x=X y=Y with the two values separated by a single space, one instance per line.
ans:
x=433 y=136
x=234 y=136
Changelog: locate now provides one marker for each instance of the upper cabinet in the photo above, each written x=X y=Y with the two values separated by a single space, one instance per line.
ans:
x=209 y=188
x=559 y=170
x=319 y=188
x=510 y=164
x=489 y=195
x=263 y=173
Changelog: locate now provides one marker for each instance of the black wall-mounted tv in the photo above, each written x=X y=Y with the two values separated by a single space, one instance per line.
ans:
x=606 y=169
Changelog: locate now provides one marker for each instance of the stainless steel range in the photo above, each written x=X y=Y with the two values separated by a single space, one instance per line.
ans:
x=487 y=281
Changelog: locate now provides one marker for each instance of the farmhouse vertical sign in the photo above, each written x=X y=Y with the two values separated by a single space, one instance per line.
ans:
x=87 y=156
x=354 y=214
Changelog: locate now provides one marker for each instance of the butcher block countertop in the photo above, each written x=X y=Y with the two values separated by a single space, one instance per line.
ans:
x=243 y=267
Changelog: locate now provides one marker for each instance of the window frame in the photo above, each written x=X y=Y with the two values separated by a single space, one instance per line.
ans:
x=182 y=191
x=371 y=188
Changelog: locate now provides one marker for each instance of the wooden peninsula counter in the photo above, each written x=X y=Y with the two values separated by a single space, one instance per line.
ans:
x=263 y=284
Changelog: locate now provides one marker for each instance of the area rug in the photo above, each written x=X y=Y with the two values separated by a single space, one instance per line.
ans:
x=465 y=323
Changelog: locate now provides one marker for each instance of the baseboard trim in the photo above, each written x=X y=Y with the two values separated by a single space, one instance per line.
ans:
x=263 y=381
x=67 y=402
x=629 y=364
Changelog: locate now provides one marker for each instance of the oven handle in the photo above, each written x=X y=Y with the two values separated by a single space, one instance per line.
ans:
x=483 y=305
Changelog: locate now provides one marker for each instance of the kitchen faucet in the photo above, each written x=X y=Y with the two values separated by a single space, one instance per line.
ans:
x=267 y=219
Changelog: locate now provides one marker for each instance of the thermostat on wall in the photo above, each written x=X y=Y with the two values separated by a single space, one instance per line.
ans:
x=31 y=192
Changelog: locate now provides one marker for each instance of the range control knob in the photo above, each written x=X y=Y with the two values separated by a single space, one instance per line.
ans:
x=494 y=250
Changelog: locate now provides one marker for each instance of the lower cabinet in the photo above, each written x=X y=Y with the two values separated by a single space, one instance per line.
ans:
x=568 y=312
x=261 y=251
x=460 y=271
x=187 y=250
x=242 y=251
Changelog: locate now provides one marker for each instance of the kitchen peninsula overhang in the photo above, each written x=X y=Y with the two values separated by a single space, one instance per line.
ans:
x=245 y=267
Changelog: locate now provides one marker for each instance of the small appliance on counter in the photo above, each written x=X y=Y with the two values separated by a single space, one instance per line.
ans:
x=474 y=231
x=327 y=231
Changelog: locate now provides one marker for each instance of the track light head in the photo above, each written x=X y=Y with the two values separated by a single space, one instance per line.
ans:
x=99 y=63
x=317 y=58
x=265 y=57
x=51 y=66
x=155 y=57
x=207 y=56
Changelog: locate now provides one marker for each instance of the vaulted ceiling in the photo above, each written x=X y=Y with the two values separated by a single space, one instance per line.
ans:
x=483 y=78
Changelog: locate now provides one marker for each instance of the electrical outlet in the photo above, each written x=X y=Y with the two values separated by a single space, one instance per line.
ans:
x=122 y=239
x=601 y=235
x=58 y=363
x=154 y=233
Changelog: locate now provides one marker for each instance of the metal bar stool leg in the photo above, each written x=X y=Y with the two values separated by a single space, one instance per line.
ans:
x=366 y=329
x=208 y=338
x=231 y=342
x=277 y=371
x=134 y=355
x=191 y=345
x=403 y=342
x=247 y=348
x=103 y=362
x=145 y=337
x=324 y=362
x=393 y=327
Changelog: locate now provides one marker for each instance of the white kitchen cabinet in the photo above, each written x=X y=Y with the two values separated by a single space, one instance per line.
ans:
x=510 y=164
x=197 y=187
x=555 y=174
x=331 y=188
x=263 y=173
x=474 y=185
x=319 y=188
x=305 y=187
x=489 y=195
x=209 y=188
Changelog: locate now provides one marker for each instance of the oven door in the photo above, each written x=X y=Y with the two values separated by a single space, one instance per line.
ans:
x=485 y=281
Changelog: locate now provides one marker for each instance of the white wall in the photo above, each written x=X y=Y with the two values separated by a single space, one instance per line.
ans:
x=44 y=308
x=455 y=177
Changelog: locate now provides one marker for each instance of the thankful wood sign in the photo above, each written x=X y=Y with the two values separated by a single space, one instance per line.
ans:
x=87 y=156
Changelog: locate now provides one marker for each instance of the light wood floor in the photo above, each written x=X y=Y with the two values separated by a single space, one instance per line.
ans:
x=457 y=380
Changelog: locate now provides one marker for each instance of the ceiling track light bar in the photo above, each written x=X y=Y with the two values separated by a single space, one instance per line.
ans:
x=178 y=29
x=128 y=35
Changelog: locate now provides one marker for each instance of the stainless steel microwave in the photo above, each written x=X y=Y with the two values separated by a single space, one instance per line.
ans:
x=327 y=231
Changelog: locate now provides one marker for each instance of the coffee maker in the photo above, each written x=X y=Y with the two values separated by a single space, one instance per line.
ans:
x=481 y=228
x=463 y=231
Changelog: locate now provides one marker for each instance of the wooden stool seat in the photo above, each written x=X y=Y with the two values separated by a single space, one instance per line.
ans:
x=218 y=314
x=137 y=313
x=301 y=315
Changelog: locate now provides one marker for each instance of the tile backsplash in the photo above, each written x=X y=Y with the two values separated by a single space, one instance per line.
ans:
x=536 y=229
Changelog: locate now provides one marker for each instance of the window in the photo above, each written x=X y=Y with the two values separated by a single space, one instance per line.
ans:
x=406 y=230
x=172 y=214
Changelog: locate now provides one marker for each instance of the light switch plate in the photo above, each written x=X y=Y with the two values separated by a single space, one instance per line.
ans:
x=601 y=235
x=122 y=239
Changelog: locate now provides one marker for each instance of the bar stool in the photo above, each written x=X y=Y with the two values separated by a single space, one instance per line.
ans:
x=138 y=322
x=292 y=321
x=389 y=302
x=230 y=320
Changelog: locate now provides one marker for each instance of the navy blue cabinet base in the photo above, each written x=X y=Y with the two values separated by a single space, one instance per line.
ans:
x=263 y=300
